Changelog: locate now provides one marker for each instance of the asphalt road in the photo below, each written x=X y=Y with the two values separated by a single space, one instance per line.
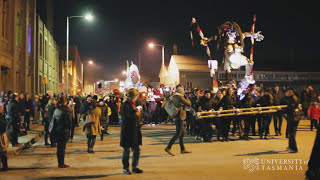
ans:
x=216 y=160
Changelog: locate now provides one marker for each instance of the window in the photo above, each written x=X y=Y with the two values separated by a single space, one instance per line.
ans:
x=40 y=84
x=41 y=45
x=233 y=76
x=4 y=18
x=222 y=76
x=45 y=50
x=18 y=29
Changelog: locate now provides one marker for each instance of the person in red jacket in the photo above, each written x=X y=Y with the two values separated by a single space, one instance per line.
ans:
x=314 y=115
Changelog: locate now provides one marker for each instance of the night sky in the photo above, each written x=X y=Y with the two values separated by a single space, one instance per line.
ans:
x=120 y=28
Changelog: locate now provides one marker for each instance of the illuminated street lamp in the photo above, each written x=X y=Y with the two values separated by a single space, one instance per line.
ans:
x=116 y=80
x=124 y=72
x=152 y=45
x=88 y=17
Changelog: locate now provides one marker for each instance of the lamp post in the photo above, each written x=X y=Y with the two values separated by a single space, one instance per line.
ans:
x=88 y=17
x=82 y=71
x=152 y=45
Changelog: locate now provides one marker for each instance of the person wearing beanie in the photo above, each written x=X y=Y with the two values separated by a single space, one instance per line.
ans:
x=131 y=137
x=181 y=102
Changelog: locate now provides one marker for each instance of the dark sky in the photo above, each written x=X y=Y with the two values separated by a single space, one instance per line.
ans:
x=120 y=28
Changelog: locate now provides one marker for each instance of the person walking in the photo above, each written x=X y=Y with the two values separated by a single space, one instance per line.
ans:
x=93 y=127
x=71 y=105
x=104 y=118
x=77 y=107
x=4 y=142
x=51 y=107
x=13 y=120
x=313 y=115
x=62 y=116
x=277 y=116
x=180 y=102
x=292 y=103
x=130 y=137
x=22 y=113
x=28 y=109
x=36 y=109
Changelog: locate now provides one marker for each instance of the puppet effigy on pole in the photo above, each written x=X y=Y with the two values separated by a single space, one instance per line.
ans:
x=231 y=41
x=133 y=76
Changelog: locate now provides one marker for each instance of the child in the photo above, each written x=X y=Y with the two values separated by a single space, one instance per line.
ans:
x=314 y=114
x=4 y=142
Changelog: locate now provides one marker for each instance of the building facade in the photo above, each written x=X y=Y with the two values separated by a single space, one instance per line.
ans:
x=16 y=28
x=21 y=45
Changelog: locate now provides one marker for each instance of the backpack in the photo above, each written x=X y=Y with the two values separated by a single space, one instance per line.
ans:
x=171 y=109
x=53 y=125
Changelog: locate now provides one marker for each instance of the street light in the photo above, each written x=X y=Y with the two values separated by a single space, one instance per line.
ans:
x=124 y=72
x=82 y=71
x=152 y=45
x=88 y=17
x=116 y=80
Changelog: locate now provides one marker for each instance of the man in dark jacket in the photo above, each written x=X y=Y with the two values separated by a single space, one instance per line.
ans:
x=104 y=118
x=63 y=117
x=277 y=116
x=247 y=102
x=13 y=120
x=180 y=102
x=206 y=104
x=229 y=101
x=77 y=108
x=292 y=102
x=130 y=137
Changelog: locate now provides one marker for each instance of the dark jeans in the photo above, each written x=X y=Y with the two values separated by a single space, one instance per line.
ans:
x=247 y=123
x=253 y=125
x=277 y=121
x=262 y=125
x=226 y=121
x=206 y=129
x=73 y=125
x=47 y=135
x=4 y=160
x=314 y=123
x=126 y=155
x=293 y=125
x=179 y=134
x=91 y=141
x=188 y=121
x=217 y=123
x=27 y=120
x=61 y=149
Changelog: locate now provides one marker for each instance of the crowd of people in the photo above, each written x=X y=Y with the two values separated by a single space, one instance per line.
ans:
x=60 y=115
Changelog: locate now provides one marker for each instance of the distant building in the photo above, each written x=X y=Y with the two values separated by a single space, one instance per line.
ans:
x=193 y=72
x=75 y=71
x=46 y=66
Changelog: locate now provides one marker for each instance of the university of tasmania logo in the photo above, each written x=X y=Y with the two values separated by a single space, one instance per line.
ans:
x=251 y=164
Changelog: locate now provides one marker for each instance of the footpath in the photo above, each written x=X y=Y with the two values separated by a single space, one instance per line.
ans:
x=34 y=134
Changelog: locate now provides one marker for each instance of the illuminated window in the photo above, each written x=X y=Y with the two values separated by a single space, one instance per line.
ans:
x=29 y=39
